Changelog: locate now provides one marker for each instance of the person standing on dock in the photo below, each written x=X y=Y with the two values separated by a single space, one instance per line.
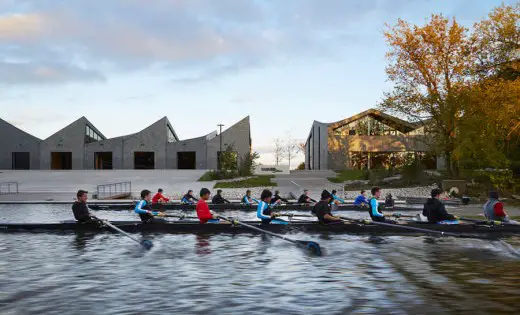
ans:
x=435 y=210
x=80 y=209
x=144 y=208
x=304 y=198
x=494 y=209
x=202 y=208
x=322 y=209
x=374 y=211
x=189 y=199
x=218 y=199
x=248 y=200
x=159 y=197
x=263 y=211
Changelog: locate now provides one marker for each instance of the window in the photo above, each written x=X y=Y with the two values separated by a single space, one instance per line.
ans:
x=171 y=135
x=91 y=135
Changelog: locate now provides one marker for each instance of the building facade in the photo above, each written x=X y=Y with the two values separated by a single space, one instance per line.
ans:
x=368 y=140
x=81 y=145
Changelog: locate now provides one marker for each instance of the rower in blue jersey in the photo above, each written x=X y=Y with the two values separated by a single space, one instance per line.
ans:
x=335 y=199
x=374 y=211
x=144 y=208
x=264 y=212
x=189 y=199
x=361 y=201
x=248 y=200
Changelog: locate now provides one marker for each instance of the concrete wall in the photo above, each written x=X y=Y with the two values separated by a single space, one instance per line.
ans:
x=198 y=145
x=12 y=140
x=237 y=135
x=317 y=158
x=68 y=139
x=152 y=139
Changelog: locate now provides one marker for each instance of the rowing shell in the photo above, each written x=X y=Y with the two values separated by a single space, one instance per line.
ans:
x=243 y=207
x=300 y=226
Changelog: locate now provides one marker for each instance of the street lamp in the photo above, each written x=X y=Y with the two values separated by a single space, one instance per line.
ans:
x=220 y=153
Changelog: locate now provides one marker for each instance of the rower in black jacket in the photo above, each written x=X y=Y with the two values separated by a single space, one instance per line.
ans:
x=80 y=209
x=277 y=197
x=304 y=198
x=218 y=199
x=435 y=211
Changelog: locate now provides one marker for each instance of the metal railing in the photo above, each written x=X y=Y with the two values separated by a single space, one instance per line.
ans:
x=114 y=190
x=9 y=188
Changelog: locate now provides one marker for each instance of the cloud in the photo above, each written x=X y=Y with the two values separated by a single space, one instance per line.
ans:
x=199 y=40
x=33 y=72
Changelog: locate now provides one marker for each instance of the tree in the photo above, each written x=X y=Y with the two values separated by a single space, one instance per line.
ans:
x=248 y=163
x=291 y=149
x=301 y=147
x=429 y=68
x=228 y=159
x=279 y=151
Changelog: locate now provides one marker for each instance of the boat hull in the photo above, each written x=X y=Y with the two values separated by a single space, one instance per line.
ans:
x=294 y=227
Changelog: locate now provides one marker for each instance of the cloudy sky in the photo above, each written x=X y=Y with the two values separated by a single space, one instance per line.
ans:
x=125 y=64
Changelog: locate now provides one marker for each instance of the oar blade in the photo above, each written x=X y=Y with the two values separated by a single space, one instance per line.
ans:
x=147 y=244
x=311 y=246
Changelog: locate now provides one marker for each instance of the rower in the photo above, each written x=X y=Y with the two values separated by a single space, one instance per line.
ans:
x=374 y=210
x=159 y=198
x=322 y=209
x=144 y=209
x=277 y=198
x=334 y=198
x=435 y=211
x=263 y=211
x=202 y=208
x=218 y=199
x=361 y=201
x=189 y=199
x=494 y=209
x=304 y=198
x=80 y=209
x=248 y=200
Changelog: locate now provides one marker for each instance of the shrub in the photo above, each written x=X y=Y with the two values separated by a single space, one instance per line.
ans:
x=248 y=164
x=301 y=166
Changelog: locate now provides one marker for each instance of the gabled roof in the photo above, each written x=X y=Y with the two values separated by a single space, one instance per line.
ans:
x=399 y=124
x=13 y=127
x=81 y=122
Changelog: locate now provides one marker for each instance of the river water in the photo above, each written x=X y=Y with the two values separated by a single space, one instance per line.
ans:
x=249 y=274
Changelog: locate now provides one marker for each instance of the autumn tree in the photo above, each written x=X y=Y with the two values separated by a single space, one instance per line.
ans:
x=429 y=68
x=491 y=125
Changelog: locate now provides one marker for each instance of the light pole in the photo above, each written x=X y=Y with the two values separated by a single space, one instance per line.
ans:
x=220 y=154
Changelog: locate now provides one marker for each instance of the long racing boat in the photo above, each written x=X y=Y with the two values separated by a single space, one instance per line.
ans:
x=186 y=226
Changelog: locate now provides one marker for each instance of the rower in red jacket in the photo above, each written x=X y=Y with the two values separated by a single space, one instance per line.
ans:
x=159 y=198
x=203 y=212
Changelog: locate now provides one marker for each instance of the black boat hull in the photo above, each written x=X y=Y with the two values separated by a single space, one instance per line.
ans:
x=309 y=227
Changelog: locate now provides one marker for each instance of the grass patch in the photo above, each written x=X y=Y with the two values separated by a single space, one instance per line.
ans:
x=348 y=175
x=215 y=175
x=257 y=181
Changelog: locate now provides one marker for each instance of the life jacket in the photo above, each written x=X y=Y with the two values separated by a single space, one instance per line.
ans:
x=379 y=207
x=489 y=210
x=145 y=217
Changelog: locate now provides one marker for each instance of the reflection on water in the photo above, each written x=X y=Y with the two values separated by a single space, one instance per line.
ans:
x=249 y=274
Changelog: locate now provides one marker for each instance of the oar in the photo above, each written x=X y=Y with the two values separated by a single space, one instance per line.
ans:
x=145 y=243
x=407 y=227
x=310 y=245
x=297 y=215
x=490 y=222
x=179 y=216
